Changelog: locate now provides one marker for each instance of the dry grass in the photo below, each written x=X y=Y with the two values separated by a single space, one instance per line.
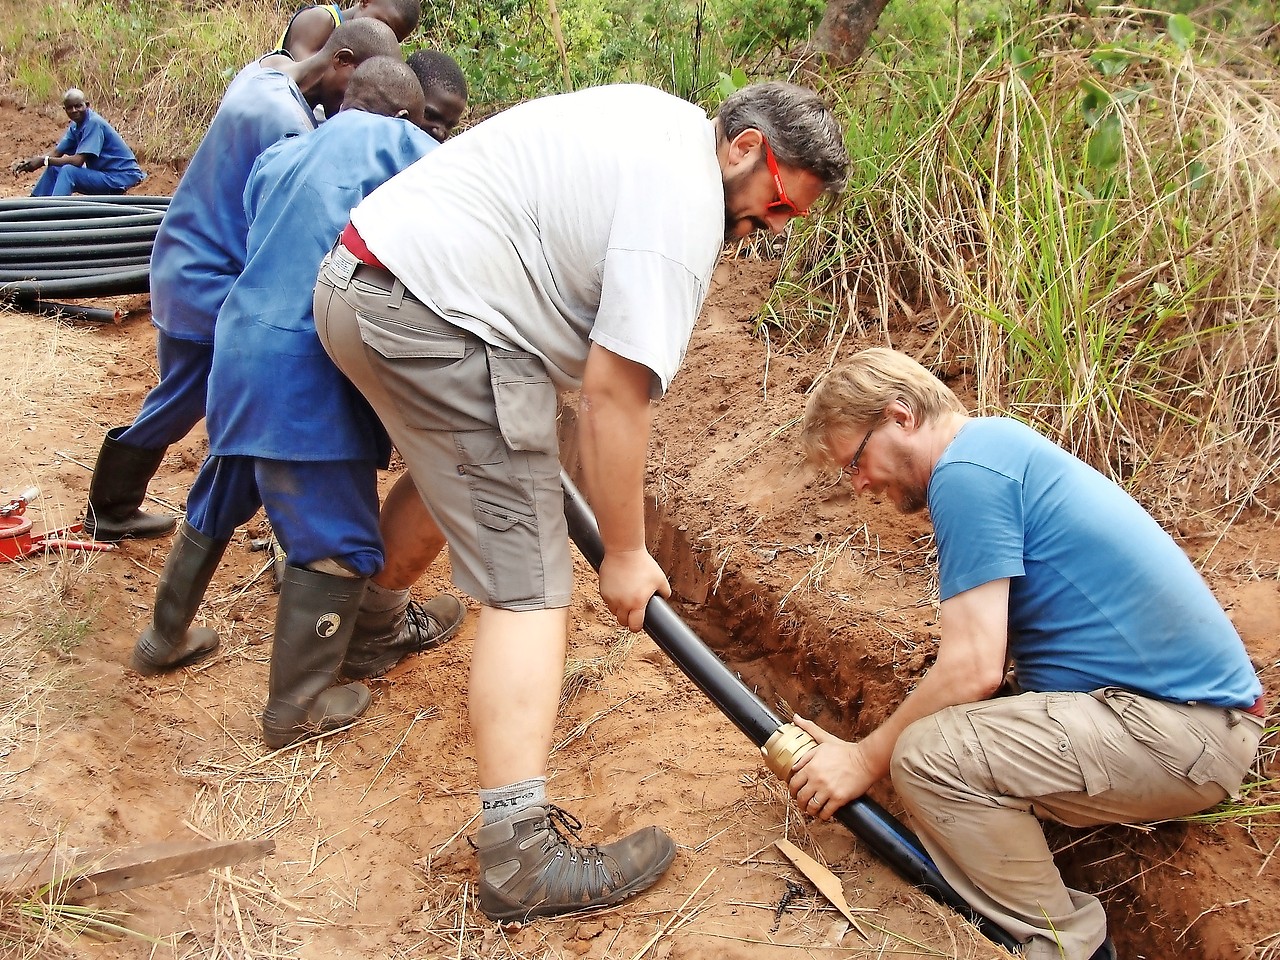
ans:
x=1127 y=307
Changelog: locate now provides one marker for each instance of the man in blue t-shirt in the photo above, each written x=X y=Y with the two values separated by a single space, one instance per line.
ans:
x=91 y=158
x=1134 y=700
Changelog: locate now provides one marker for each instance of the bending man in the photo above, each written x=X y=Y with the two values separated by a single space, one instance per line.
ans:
x=288 y=432
x=1137 y=703
x=567 y=242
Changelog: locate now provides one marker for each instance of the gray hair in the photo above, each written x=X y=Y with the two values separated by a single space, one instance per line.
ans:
x=74 y=93
x=800 y=129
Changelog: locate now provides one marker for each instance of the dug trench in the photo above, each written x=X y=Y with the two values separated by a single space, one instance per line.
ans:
x=823 y=604
x=828 y=607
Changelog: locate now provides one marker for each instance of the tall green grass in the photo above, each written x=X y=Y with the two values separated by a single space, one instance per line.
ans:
x=1085 y=218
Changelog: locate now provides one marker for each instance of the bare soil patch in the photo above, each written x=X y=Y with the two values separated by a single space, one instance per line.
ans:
x=823 y=604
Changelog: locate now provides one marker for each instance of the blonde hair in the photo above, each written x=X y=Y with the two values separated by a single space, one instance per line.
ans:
x=856 y=393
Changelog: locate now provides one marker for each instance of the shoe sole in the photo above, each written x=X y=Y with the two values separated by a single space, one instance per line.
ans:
x=639 y=884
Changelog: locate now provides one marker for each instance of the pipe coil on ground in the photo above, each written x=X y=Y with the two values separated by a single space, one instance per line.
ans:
x=114 y=283
x=76 y=246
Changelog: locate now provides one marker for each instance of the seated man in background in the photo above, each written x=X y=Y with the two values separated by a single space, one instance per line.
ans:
x=1136 y=700
x=288 y=432
x=91 y=158
x=310 y=27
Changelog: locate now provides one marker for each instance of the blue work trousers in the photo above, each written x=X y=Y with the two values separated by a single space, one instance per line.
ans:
x=177 y=402
x=318 y=510
x=67 y=179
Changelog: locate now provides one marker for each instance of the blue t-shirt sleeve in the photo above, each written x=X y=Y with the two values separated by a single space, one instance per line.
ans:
x=978 y=525
x=67 y=143
x=92 y=139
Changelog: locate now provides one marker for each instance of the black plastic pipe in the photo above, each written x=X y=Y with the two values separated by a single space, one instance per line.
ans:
x=91 y=232
x=135 y=280
x=40 y=266
x=869 y=821
x=69 y=311
x=123 y=218
x=63 y=272
x=74 y=251
x=26 y=203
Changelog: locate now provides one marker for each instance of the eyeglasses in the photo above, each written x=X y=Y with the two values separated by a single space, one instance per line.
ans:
x=784 y=203
x=852 y=466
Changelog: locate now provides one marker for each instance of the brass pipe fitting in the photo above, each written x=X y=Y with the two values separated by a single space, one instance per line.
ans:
x=787 y=745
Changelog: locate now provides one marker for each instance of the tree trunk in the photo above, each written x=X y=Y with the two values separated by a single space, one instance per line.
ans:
x=846 y=27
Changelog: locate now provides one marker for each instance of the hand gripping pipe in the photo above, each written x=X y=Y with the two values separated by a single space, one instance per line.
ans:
x=781 y=743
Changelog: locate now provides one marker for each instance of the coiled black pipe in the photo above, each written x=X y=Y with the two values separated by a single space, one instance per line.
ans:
x=150 y=219
x=39 y=267
x=24 y=203
x=81 y=233
x=73 y=251
x=136 y=280
x=869 y=821
x=69 y=273
x=87 y=211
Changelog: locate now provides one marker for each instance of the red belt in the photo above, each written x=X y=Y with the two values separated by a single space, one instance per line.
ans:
x=355 y=243
x=1259 y=708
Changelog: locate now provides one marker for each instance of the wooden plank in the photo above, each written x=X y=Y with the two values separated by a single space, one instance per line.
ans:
x=74 y=874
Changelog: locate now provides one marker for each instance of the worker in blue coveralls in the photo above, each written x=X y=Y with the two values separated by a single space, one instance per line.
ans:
x=199 y=251
x=310 y=28
x=91 y=158
x=289 y=433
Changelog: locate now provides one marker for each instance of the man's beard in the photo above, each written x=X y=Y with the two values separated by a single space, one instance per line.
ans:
x=913 y=500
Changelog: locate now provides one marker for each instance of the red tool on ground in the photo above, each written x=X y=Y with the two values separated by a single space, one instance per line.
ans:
x=18 y=542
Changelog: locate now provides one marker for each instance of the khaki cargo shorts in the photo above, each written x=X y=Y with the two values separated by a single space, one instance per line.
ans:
x=475 y=424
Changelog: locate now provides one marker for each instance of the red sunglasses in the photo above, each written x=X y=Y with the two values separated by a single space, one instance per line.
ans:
x=783 y=203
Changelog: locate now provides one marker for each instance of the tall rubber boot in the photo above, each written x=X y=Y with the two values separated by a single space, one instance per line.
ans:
x=315 y=615
x=170 y=642
x=116 y=492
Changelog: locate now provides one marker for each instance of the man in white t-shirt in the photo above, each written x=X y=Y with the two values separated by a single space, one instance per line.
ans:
x=566 y=243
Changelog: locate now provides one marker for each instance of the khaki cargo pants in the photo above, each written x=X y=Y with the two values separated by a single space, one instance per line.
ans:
x=976 y=777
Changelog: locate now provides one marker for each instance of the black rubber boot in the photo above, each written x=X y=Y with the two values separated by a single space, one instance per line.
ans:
x=119 y=484
x=170 y=642
x=381 y=640
x=315 y=615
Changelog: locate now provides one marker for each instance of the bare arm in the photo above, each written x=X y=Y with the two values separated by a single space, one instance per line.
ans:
x=970 y=668
x=308 y=33
x=613 y=429
x=55 y=159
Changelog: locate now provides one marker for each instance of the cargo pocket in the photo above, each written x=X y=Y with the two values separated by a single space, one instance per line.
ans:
x=1080 y=736
x=506 y=524
x=1187 y=740
x=524 y=399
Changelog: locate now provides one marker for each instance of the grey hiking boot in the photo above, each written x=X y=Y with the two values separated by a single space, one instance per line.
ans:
x=528 y=869
x=383 y=639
